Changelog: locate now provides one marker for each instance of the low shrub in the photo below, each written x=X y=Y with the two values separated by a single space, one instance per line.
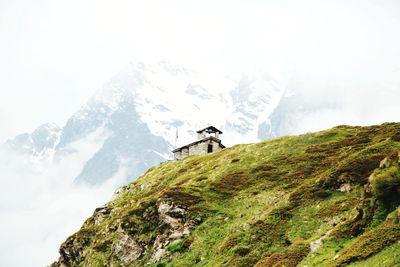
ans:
x=290 y=258
x=369 y=244
x=396 y=137
x=242 y=251
x=176 y=246
x=232 y=183
x=386 y=183
x=354 y=171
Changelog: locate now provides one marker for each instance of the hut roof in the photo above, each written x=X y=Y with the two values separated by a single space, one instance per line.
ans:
x=210 y=129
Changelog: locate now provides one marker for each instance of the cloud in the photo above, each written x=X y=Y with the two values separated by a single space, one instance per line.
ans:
x=7 y=125
x=314 y=104
x=54 y=54
x=40 y=207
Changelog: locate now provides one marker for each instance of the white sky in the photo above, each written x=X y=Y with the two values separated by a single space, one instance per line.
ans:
x=55 y=53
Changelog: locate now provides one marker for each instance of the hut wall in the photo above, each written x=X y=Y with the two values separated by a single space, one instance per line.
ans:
x=198 y=149
x=178 y=155
x=184 y=153
x=216 y=147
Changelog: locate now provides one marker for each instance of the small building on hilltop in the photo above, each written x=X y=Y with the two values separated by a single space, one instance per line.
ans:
x=208 y=142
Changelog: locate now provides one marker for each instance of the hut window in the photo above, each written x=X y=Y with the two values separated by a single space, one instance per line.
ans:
x=210 y=149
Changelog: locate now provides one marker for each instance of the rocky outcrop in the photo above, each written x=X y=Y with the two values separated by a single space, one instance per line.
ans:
x=72 y=251
x=128 y=248
x=176 y=224
x=100 y=214
x=169 y=217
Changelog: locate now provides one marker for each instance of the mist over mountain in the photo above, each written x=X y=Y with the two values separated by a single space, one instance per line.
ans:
x=134 y=118
x=131 y=123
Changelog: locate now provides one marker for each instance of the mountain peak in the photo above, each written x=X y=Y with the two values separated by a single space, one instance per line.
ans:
x=131 y=121
x=39 y=144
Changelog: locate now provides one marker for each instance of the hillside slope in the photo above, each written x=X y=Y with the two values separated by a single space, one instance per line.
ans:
x=321 y=199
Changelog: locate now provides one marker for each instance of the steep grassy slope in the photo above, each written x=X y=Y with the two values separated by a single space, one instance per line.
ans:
x=322 y=199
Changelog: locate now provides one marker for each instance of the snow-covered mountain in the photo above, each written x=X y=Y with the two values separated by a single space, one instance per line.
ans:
x=133 y=120
x=39 y=144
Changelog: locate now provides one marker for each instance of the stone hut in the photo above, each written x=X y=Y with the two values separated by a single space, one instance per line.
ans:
x=207 y=142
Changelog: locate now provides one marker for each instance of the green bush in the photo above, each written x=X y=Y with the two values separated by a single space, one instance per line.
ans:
x=386 y=182
x=369 y=243
x=242 y=251
x=158 y=264
x=176 y=246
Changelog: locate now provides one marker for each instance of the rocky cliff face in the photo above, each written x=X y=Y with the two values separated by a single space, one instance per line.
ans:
x=324 y=199
x=169 y=218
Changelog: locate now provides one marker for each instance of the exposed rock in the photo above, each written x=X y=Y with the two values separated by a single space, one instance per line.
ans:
x=173 y=221
x=71 y=251
x=121 y=190
x=315 y=245
x=100 y=214
x=386 y=163
x=345 y=188
x=144 y=186
x=169 y=213
x=128 y=249
x=222 y=218
x=160 y=253
x=176 y=223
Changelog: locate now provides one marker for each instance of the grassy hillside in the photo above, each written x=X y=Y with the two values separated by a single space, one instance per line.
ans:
x=321 y=199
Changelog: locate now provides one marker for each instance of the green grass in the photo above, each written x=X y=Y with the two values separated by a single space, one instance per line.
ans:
x=176 y=246
x=261 y=204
